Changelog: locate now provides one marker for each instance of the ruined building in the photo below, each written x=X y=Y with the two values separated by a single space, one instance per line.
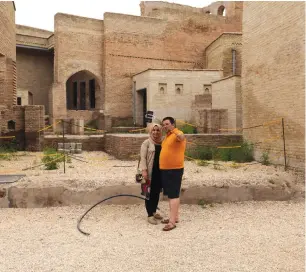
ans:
x=196 y=64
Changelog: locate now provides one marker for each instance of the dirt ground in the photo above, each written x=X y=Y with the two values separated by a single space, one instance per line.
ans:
x=90 y=170
x=250 y=236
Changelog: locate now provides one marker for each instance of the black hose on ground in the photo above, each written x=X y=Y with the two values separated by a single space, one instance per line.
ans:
x=79 y=221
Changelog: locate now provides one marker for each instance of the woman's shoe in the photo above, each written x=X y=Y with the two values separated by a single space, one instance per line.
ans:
x=169 y=226
x=166 y=221
x=152 y=220
x=157 y=216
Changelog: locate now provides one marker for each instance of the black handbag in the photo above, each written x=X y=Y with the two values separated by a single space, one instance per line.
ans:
x=139 y=178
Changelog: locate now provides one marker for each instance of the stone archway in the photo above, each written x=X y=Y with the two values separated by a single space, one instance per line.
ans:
x=82 y=91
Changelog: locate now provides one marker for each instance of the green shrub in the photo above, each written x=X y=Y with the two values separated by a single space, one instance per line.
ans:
x=52 y=158
x=7 y=153
x=92 y=124
x=264 y=159
x=187 y=129
x=200 y=153
x=240 y=154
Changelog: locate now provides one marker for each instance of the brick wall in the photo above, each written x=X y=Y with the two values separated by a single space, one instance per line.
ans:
x=28 y=121
x=133 y=44
x=30 y=36
x=34 y=121
x=273 y=77
x=7 y=30
x=78 y=46
x=210 y=120
x=167 y=103
x=127 y=147
x=7 y=54
x=16 y=114
x=226 y=94
x=232 y=8
x=167 y=10
x=219 y=55
x=89 y=143
x=35 y=74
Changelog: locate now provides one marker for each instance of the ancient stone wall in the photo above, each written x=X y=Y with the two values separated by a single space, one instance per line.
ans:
x=273 y=78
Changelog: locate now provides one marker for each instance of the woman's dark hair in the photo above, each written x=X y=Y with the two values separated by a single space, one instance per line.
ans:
x=171 y=119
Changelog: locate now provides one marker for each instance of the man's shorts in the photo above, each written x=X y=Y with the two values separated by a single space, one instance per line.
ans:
x=172 y=180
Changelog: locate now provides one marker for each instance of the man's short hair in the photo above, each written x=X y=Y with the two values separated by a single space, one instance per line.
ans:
x=171 y=119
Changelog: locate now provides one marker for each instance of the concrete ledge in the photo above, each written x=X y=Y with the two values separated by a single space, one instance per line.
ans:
x=16 y=197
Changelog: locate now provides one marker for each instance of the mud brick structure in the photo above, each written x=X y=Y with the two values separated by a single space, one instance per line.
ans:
x=223 y=67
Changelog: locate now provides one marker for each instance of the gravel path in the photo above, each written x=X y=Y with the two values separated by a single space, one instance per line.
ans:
x=105 y=170
x=262 y=236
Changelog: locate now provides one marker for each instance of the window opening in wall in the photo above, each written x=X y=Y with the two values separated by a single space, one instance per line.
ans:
x=234 y=61
x=207 y=12
x=207 y=88
x=75 y=95
x=162 y=88
x=19 y=101
x=83 y=95
x=92 y=93
x=30 y=98
x=11 y=125
x=178 y=88
x=222 y=11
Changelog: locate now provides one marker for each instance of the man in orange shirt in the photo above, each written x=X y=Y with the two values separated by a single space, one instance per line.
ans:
x=171 y=164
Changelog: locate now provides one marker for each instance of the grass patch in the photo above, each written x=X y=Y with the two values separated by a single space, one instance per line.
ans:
x=52 y=158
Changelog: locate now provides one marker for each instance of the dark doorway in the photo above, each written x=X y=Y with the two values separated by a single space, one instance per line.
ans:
x=92 y=93
x=144 y=106
x=83 y=96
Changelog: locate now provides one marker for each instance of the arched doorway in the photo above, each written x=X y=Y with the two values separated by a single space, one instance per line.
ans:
x=82 y=89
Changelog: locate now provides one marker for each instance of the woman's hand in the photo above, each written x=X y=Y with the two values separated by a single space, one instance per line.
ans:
x=145 y=174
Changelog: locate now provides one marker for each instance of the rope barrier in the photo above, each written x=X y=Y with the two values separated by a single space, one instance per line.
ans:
x=7 y=137
x=45 y=128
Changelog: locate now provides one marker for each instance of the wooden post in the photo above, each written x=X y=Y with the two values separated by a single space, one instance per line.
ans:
x=284 y=142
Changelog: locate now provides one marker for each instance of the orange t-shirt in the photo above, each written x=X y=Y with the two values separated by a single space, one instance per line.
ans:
x=173 y=151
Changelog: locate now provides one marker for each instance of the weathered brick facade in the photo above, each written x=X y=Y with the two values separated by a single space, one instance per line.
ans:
x=154 y=43
x=127 y=147
x=7 y=54
x=273 y=78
